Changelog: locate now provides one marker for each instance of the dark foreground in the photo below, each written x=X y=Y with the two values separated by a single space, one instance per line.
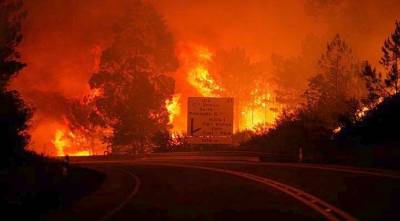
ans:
x=29 y=192
x=178 y=189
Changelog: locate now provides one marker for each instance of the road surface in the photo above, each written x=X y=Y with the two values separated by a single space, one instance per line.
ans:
x=222 y=189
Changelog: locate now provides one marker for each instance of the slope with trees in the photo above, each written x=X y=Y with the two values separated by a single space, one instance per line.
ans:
x=376 y=132
x=332 y=99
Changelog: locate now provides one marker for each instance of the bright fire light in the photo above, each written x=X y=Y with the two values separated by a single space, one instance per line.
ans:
x=63 y=142
x=81 y=153
x=199 y=76
x=258 y=111
x=173 y=107
x=59 y=142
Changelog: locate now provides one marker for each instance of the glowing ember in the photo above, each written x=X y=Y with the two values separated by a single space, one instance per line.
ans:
x=337 y=130
x=364 y=110
x=361 y=113
x=93 y=93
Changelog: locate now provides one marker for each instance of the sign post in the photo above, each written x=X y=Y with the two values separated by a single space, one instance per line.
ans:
x=210 y=120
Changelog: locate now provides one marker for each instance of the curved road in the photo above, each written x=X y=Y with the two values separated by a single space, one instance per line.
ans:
x=168 y=189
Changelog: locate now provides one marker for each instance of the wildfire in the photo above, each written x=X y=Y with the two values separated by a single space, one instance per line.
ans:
x=199 y=76
x=364 y=110
x=260 y=111
x=173 y=107
x=337 y=130
x=59 y=142
x=81 y=153
x=64 y=144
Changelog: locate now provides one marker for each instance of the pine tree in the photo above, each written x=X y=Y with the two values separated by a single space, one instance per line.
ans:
x=334 y=93
x=337 y=66
x=374 y=84
x=378 y=86
x=391 y=58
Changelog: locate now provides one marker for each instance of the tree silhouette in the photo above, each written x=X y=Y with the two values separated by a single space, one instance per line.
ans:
x=374 y=84
x=232 y=68
x=377 y=129
x=378 y=86
x=335 y=93
x=14 y=114
x=391 y=58
x=133 y=77
x=291 y=73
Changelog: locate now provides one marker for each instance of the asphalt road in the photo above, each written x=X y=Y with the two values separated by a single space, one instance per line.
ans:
x=179 y=189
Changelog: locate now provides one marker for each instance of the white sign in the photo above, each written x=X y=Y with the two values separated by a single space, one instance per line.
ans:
x=210 y=120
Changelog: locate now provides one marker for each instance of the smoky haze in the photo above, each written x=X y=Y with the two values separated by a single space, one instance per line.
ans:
x=63 y=40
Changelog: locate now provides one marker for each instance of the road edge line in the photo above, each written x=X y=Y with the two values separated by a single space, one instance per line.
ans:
x=319 y=205
x=130 y=196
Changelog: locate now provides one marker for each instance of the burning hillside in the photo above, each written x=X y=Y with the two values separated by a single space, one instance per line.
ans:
x=221 y=55
x=204 y=72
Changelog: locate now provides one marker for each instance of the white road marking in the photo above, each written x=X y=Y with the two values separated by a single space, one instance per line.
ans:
x=112 y=212
x=327 y=210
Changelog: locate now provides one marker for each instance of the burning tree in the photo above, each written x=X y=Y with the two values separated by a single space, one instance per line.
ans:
x=13 y=112
x=133 y=78
x=87 y=126
x=246 y=81
x=335 y=94
x=291 y=73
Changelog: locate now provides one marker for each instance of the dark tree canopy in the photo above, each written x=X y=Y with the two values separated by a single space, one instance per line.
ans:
x=374 y=84
x=233 y=67
x=133 y=77
x=380 y=123
x=11 y=15
x=335 y=93
x=379 y=126
x=391 y=58
x=383 y=85
x=350 y=113
x=14 y=115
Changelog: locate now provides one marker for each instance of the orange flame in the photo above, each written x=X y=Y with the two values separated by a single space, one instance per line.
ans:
x=173 y=107
x=59 y=142
x=81 y=153
x=260 y=110
x=199 y=76
x=63 y=142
